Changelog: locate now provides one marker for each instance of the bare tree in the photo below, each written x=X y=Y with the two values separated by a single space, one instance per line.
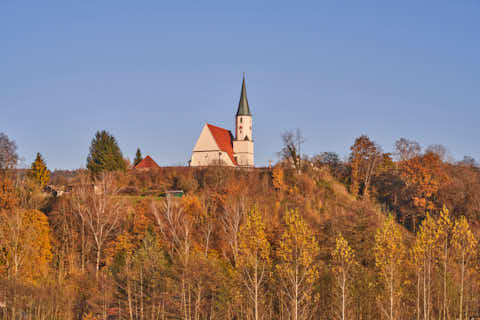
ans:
x=439 y=150
x=231 y=221
x=176 y=229
x=406 y=149
x=8 y=153
x=98 y=209
x=292 y=145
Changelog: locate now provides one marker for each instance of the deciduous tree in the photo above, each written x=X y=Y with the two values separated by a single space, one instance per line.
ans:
x=8 y=153
x=466 y=248
x=254 y=259
x=389 y=259
x=364 y=158
x=342 y=264
x=297 y=268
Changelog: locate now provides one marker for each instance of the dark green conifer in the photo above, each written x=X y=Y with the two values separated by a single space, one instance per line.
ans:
x=138 y=157
x=105 y=154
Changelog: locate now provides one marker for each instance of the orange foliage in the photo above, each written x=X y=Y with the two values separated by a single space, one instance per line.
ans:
x=425 y=173
x=8 y=195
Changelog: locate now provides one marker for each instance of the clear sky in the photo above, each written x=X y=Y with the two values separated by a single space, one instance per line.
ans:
x=153 y=72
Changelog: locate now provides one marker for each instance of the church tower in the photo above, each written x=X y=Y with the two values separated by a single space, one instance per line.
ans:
x=243 y=143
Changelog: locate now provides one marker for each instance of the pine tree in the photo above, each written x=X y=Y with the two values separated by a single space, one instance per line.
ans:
x=39 y=171
x=138 y=157
x=105 y=154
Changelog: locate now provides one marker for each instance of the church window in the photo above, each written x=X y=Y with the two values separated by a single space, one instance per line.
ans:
x=240 y=128
x=241 y=120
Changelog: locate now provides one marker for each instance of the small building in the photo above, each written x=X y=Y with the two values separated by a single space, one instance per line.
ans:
x=147 y=163
x=217 y=145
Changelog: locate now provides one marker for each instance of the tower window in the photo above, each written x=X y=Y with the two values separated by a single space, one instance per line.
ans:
x=240 y=127
x=241 y=120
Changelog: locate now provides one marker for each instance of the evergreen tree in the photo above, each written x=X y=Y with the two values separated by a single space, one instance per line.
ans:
x=39 y=171
x=138 y=157
x=105 y=154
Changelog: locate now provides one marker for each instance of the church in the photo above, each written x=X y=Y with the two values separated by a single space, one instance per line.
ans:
x=217 y=145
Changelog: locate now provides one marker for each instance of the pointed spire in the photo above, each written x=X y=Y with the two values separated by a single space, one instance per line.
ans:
x=243 y=107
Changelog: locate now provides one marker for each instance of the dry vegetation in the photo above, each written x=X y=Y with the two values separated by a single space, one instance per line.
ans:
x=309 y=241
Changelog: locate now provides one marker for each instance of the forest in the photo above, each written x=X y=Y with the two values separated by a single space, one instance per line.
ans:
x=373 y=236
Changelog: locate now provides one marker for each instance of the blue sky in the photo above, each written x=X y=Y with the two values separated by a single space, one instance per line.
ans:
x=153 y=72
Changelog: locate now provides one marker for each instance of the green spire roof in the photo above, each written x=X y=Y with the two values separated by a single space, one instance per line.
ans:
x=243 y=108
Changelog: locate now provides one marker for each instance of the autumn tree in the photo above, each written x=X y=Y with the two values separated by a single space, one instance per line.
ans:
x=332 y=161
x=389 y=259
x=105 y=154
x=343 y=261
x=39 y=171
x=254 y=259
x=465 y=245
x=364 y=158
x=444 y=235
x=423 y=175
x=424 y=256
x=138 y=157
x=8 y=195
x=25 y=246
x=297 y=268
x=98 y=210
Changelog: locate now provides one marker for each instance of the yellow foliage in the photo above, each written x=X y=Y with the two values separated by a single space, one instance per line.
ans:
x=298 y=249
x=26 y=244
x=254 y=245
x=39 y=171
x=463 y=239
x=390 y=254
x=343 y=256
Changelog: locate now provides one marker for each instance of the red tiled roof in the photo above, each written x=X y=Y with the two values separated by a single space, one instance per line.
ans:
x=147 y=163
x=223 y=138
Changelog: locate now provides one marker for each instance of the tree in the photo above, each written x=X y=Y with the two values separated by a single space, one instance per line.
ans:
x=424 y=255
x=8 y=153
x=297 y=267
x=138 y=157
x=444 y=234
x=105 y=154
x=465 y=246
x=8 y=195
x=254 y=258
x=98 y=210
x=332 y=161
x=342 y=263
x=423 y=175
x=291 y=150
x=25 y=246
x=39 y=171
x=389 y=259
x=364 y=158
x=439 y=150
x=406 y=149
